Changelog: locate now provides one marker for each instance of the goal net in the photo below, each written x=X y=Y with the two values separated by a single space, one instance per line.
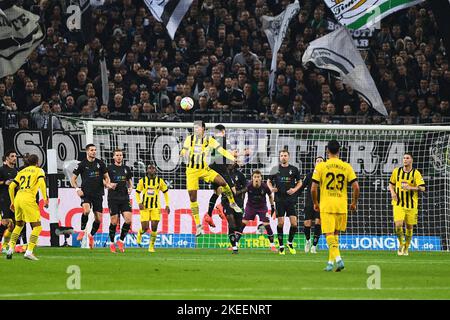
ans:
x=373 y=152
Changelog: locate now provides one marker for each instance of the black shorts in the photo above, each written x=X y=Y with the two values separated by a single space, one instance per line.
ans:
x=283 y=208
x=223 y=171
x=95 y=202
x=230 y=212
x=118 y=207
x=311 y=214
x=5 y=211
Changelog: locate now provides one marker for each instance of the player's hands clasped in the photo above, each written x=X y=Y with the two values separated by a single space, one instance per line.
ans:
x=406 y=186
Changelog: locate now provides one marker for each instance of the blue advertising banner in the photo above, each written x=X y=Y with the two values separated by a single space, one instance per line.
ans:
x=373 y=242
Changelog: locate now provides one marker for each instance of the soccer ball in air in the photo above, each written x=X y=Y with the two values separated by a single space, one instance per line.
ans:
x=187 y=103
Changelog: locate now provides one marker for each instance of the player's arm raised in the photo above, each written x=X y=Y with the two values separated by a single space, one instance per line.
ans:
x=216 y=145
x=185 y=149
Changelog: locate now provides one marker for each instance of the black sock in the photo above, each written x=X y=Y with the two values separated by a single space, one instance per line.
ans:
x=112 y=232
x=269 y=233
x=280 y=235
x=241 y=228
x=292 y=233
x=23 y=235
x=95 y=226
x=124 y=232
x=2 y=230
x=307 y=231
x=238 y=236
x=84 y=221
x=212 y=203
x=317 y=233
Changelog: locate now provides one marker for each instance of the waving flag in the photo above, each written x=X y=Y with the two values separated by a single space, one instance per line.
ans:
x=337 y=52
x=358 y=14
x=275 y=29
x=169 y=12
x=20 y=34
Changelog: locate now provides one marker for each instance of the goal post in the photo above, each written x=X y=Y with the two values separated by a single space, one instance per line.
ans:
x=373 y=151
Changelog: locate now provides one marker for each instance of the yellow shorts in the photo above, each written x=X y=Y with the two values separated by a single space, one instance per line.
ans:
x=407 y=215
x=332 y=222
x=26 y=211
x=150 y=215
x=193 y=176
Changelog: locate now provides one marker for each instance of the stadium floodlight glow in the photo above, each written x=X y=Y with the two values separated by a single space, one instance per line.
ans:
x=373 y=151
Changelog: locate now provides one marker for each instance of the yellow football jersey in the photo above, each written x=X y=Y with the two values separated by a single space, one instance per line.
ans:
x=406 y=198
x=147 y=192
x=29 y=180
x=198 y=150
x=333 y=177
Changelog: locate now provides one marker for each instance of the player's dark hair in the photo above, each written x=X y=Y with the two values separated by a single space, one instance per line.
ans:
x=319 y=157
x=409 y=154
x=33 y=160
x=256 y=172
x=8 y=153
x=89 y=145
x=284 y=151
x=333 y=146
x=220 y=127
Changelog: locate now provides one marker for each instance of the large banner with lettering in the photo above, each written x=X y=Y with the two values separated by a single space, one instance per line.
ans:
x=373 y=155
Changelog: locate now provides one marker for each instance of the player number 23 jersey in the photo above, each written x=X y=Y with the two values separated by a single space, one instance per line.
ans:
x=333 y=176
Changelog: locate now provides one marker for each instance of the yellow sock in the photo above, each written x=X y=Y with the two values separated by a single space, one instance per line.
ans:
x=228 y=193
x=34 y=238
x=408 y=238
x=153 y=238
x=6 y=237
x=400 y=235
x=15 y=235
x=331 y=241
x=195 y=214
x=337 y=252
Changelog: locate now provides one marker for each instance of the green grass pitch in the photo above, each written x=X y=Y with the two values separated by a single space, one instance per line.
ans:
x=216 y=274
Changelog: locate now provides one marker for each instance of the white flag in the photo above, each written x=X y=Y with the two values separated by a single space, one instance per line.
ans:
x=359 y=14
x=275 y=29
x=20 y=34
x=169 y=12
x=104 y=77
x=337 y=52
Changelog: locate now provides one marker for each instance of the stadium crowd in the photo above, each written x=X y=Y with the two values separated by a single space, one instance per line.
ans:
x=221 y=58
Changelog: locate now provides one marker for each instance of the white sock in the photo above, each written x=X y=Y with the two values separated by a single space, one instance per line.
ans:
x=234 y=248
x=289 y=243
x=272 y=244
x=28 y=252
x=330 y=262
x=338 y=258
x=281 y=247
